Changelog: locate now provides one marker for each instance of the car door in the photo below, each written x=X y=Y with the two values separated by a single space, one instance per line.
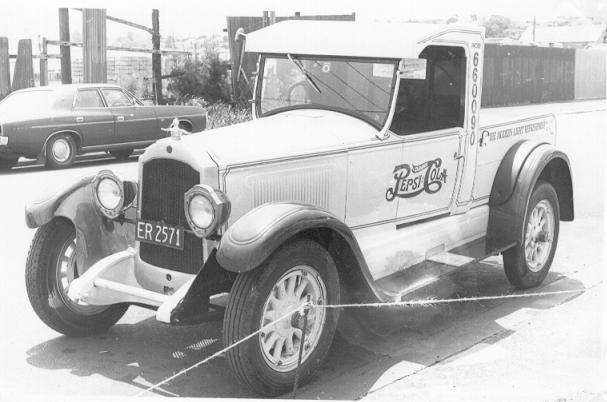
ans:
x=429 y=117
x=134 y=125
x=92 y=118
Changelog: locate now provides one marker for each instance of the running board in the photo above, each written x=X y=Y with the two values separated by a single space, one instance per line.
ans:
x=399 y=284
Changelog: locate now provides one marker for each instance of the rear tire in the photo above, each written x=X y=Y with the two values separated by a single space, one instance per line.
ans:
x=528 y=263
x=49 y=269
x=122 y=155
x=267 y=363
x=60 y=151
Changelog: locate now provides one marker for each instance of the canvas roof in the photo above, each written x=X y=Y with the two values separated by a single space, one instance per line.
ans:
x=343 y=38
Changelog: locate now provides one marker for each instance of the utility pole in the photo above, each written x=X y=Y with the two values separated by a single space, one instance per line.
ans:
x=156 y=58
x=43 y=63
x=64 y=50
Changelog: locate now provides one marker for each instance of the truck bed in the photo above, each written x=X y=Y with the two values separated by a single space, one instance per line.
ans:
x=500 y=115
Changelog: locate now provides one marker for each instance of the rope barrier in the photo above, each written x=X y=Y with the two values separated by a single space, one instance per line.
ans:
x=222 y=351
x=303 y=309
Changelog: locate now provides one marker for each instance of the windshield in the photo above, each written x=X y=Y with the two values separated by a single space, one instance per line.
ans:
x=21 y=102
x=359 y=87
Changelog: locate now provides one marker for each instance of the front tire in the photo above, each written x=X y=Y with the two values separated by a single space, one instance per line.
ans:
x=60 y=151
x=267 y=363
x=528 y=263
x=50 y=268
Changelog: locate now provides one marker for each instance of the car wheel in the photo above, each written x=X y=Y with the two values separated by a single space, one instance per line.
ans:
x=7 y=163
x=60 y=151
x=122 y=155
x=267 y=363
x=50 y=268
x=528 y=263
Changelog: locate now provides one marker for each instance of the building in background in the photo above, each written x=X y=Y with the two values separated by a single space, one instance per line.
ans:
x=571 y=36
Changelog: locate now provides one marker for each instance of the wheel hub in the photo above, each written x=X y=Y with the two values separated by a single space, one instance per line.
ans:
x=281 y=341
x=539 y=235
x=61 y=150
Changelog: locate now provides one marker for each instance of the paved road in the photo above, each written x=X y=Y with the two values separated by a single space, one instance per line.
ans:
x=540 y=348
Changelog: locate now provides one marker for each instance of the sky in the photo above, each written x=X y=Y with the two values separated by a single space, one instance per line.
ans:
x=183 y=18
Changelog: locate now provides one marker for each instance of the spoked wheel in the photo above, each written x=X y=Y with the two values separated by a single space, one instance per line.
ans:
x=527 y=264
x=539 y=236
x=50 y=268
x=280 y=343
x=299 y=271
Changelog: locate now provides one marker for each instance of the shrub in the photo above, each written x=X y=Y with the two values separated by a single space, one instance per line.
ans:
x=206 y=78
x=219 y=114
x=223 y=114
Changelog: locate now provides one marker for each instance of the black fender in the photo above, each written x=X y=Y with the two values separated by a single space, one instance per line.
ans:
x=96 y=236
x=524 y=164
x=249 y=241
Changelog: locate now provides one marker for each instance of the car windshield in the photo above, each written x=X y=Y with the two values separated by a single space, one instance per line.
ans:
x=359 y=87
x=21 y=102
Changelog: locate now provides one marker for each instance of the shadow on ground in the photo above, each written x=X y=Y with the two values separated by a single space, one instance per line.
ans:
x=31 y=166
x=371 y=342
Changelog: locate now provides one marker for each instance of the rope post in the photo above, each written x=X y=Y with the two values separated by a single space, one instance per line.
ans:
x=301 y=348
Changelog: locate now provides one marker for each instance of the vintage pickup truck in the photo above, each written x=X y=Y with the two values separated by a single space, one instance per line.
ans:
x=368 y=171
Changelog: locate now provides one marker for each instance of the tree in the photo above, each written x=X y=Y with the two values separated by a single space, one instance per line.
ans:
x=206 y=79
x=496 y=26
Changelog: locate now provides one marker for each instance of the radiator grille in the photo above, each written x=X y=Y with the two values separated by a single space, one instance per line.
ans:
x=163 y=185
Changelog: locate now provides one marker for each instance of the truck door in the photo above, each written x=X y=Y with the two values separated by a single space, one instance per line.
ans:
x=429 y=117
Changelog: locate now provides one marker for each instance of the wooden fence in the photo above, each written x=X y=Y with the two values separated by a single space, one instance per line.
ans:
x=515 y=75
x=590 y=73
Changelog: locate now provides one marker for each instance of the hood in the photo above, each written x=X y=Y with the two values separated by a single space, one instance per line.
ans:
x=279 y=136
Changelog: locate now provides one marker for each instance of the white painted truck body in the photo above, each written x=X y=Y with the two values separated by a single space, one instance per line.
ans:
x=345 y=165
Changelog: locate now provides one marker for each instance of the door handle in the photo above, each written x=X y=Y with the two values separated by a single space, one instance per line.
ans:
x=79 y=119
x=457 y=156
x=120 y=118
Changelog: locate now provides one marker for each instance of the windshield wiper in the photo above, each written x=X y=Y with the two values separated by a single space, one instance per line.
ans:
x=304 y=72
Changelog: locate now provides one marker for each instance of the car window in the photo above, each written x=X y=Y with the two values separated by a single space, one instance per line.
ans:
x=115 y=98
x=88 y=98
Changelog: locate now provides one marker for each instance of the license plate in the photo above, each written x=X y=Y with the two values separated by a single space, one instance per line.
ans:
x=160 y=233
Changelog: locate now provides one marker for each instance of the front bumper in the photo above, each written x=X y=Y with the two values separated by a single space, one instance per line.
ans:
x=123 y=278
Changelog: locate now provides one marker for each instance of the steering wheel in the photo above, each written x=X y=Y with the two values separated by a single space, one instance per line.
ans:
x=300 y=84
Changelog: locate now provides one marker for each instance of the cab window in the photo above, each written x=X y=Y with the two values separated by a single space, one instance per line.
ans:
x=431 y=94
x=116 y=98
x=88 y=98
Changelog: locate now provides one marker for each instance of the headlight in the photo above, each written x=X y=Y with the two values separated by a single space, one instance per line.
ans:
x=206 y=209
x=108 y=193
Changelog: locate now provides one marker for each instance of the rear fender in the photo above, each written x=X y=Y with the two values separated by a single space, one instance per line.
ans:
x=523 y=165
x=96 y=236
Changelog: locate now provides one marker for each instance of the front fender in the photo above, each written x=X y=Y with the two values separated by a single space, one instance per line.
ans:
x=96 y=236
x=256 y=235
